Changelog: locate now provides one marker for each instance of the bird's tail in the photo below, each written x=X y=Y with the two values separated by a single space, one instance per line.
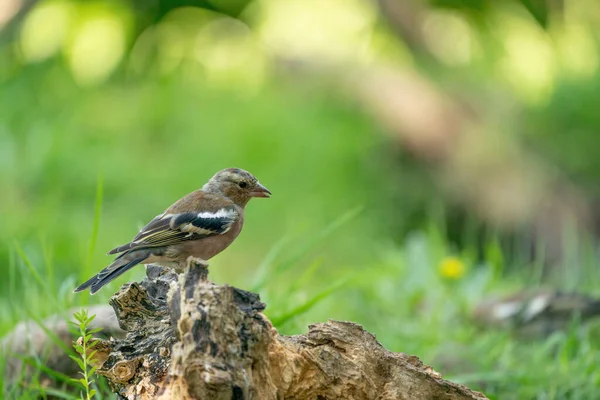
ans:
x=120 y=265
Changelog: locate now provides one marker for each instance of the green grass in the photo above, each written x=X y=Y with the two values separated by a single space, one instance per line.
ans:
x=403 y=299
x=83 y=169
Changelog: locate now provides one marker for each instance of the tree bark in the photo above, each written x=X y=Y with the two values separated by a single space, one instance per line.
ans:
x=188 y=338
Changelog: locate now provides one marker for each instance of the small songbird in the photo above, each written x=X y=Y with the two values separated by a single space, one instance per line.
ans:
x=192 y=230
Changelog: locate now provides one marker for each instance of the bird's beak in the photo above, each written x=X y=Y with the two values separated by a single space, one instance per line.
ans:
x=260 y=191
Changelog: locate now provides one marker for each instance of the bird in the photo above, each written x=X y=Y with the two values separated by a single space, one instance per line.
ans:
x=194 y=229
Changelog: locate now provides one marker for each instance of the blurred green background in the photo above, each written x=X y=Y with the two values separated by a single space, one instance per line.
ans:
x=424 y=156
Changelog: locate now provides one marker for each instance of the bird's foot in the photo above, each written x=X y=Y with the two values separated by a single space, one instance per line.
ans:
x=154 y=271
x=196 y=262
x=191 y=260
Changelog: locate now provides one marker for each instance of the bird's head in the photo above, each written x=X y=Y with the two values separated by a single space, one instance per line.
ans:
x=237 y=184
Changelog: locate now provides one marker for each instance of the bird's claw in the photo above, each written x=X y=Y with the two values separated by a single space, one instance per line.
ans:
x=192 y=261
x=195 y=262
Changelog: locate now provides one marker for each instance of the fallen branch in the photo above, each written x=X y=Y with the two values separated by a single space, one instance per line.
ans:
x=191 y=339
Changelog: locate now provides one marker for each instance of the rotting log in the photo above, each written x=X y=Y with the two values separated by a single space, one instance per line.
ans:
x=188 y=338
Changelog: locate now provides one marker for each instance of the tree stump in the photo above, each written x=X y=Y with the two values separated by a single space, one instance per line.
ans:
x=188 y=338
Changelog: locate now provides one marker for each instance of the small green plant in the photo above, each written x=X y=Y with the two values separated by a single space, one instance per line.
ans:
x=84 y=347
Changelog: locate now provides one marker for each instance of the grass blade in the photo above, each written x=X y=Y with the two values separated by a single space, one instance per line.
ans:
x=266 y=266
x=304 y=278
x=317 y=239
x=60 y=394
x=280 y=320
x=2 y=371
x=39 y=365
x=30 y=266
x=55 y=339
x=49 y=266
x=87 y=270
x=12 y=285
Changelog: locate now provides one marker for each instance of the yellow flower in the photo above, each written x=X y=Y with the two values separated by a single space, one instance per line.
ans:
x=452 y=268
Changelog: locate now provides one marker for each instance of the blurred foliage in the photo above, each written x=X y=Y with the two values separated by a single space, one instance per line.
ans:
x=111 y=110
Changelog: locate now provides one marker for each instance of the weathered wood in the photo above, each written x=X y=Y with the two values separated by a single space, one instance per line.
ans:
x=191 y=339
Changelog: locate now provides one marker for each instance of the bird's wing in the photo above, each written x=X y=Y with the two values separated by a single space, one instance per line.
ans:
x=169 y=229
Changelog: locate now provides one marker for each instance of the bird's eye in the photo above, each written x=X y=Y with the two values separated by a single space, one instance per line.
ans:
x=242 y=184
